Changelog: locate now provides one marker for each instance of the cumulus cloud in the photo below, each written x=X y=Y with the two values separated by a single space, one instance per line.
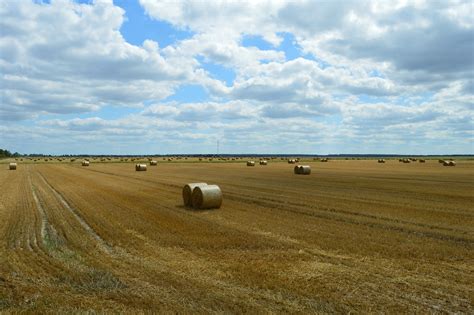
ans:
x=66 y=57
x=431 y=37
x=363 y=76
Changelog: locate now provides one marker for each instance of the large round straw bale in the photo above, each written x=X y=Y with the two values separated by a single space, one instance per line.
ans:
x=449 y=163
x=263 y=162
x=207 y=197
x=12 y=166
x=153 y=163
x=85 y=163
x=250 y=163
x=441 y=161
x=296 y=169
x=140 y=167
x=381 y=161
x=422 y=160
x=302 y=169
x=188 y=192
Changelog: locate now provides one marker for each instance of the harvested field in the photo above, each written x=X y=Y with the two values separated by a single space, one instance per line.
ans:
x=352 y=237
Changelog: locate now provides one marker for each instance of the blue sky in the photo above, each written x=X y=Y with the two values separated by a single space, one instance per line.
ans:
x=317 y=77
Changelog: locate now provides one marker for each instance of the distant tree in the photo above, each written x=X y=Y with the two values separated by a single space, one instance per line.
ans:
x=6 y=154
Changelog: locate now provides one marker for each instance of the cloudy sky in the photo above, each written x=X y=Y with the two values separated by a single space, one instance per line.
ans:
x=150 y=76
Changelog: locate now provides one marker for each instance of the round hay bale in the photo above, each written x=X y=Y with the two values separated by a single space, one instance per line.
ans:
x=140 y=167
x=291 y=161
x=12 y=166
x=381 y=161
x=188 y=192
x=207 y=197
x=296 y=169
x=263 y=162
x=422 y=160
x=250 y=163
x=449 y=163
x=85 y=163
x=302 y=169
x=153 y=163
x=441 y=161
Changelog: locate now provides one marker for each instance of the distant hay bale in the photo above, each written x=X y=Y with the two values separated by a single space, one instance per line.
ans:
x=140 y=167
x=291 y=161
x=153 y=163
x=406 y=161
x=12 y=166
x=188 y=192
x=302 y=169
x=250 y=163
x=324 y=160
x=85 y=163
x=441 y=161
x=207 y=197
x=263 y=162
x=422 y=160
x=449 y=163
x=381 y=161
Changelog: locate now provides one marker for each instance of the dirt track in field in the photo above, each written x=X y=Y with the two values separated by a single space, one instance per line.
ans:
x=352 y=236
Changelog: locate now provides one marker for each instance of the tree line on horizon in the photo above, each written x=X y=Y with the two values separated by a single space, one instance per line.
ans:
x=6 y=154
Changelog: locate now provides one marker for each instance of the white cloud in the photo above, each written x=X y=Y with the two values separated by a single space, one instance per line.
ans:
x=372 y=76
x=65 y=57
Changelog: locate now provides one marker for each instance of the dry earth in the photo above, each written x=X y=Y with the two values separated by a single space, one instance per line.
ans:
x=354 y=236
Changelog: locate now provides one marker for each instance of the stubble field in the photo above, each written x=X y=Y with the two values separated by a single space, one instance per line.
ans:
x=352 y=236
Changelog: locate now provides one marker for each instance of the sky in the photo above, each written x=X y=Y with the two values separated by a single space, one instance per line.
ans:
x=292 y=77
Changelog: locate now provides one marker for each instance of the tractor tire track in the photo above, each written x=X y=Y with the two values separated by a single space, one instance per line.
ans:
x=101 y=242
